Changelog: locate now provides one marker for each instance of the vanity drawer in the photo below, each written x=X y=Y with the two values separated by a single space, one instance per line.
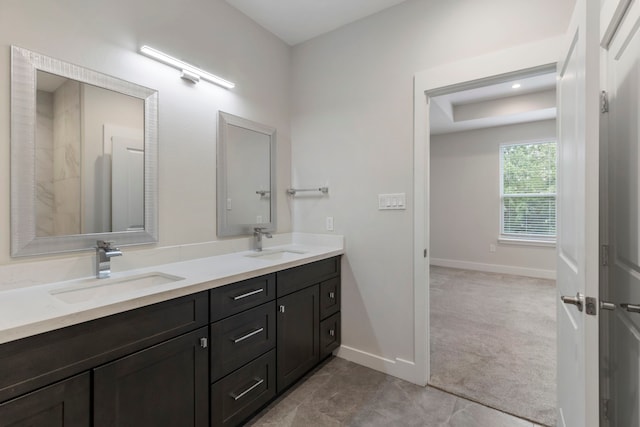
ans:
x=297 y=278
x=329 y=297
x=238 y=339
x=234 y=298
x=43 y=359
x=240 y=394
x=329 y=335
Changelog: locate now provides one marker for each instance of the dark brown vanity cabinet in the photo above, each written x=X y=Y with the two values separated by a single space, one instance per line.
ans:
x=308 y=312
x=165 y=385
x=298 y=335
x=146 y=364
x=210 y=358
x=243 y=343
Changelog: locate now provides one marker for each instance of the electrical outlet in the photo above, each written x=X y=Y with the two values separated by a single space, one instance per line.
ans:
x=492 y=247
x=329 y=223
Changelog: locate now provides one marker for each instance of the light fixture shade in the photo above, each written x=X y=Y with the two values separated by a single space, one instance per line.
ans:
x=188 y=71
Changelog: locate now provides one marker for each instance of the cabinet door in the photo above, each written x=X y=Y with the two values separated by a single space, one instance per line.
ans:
x=237 y=297
x=329 y=297
x=298 y=335
x=329 y=335
x=241 y=393
x=163 y=386
x=64 y=404
x=239 y=339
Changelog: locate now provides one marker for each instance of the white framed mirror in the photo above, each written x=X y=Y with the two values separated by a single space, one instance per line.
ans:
x=246 y=176
x=84 y=157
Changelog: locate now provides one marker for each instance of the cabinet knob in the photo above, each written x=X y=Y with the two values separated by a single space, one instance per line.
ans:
x=281 y=309
x=204 y=343
x=332 y=295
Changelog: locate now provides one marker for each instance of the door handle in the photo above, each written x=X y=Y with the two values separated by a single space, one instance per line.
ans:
x=248 y=294
x=631 y=308
x=578 y=300
x=249 y=335
x=237 y=396
x=604 y=305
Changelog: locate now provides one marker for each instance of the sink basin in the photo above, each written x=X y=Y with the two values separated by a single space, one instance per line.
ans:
x=102 y=288
x=277 y=254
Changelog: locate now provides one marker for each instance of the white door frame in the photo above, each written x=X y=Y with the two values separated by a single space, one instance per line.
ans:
x=473 y=71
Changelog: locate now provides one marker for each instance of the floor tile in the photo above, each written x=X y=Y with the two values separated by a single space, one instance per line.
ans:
x=342 y=393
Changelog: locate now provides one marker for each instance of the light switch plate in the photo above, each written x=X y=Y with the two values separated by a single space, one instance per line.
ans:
x=393 y=201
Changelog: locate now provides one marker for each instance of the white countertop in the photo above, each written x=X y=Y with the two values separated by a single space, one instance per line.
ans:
x=32 y=310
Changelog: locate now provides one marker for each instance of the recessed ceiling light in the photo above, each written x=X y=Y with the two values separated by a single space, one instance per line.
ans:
x=515 y=86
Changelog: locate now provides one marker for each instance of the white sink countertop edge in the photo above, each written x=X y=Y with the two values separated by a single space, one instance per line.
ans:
x=33 y=310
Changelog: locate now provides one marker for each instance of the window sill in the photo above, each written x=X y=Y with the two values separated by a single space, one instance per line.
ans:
x=526 y=242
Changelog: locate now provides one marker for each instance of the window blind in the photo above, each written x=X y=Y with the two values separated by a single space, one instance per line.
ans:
x=528 y=190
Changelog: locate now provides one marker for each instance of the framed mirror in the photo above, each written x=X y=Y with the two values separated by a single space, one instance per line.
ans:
x=246 y=175
x=84 y=157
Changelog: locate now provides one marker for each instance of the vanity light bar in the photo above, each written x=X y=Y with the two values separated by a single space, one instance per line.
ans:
x=188 y=71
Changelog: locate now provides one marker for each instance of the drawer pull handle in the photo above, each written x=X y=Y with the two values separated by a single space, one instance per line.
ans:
x=204 y=343
x=249 y=335
x=332 y=295
x=281 y=309
x=241 y=395
x=332 y=332
x=248 y=294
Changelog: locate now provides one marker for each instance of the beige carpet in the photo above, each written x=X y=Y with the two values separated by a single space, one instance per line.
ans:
x=493 y=340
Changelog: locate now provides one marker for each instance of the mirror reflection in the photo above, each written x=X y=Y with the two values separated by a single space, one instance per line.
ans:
x=246 y=171
x=248 y=194
x=84 y=157
x=89 y=158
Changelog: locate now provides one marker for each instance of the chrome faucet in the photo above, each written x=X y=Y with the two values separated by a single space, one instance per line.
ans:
x=258 y=232
x=104 y=252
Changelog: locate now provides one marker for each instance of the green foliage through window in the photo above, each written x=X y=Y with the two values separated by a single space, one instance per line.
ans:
x=528 y=184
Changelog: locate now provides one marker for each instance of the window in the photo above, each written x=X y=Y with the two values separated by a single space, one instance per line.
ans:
x=528 y=191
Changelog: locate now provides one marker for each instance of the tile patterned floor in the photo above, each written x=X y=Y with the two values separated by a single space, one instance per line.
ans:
x=341 y=393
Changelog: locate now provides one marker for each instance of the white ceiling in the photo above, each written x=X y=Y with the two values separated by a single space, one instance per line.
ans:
x=296 y=21
x=525 y=106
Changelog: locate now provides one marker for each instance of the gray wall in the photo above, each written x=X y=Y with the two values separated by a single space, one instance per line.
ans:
x=465 y=202
x=352 y=127
x=106 y=36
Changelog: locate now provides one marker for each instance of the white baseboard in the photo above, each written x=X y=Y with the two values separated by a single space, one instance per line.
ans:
x=399 y=368
x=494 y=268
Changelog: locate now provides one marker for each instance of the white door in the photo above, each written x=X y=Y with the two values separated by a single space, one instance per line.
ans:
x=623 y=86
x=127 y=184
x=578 y=228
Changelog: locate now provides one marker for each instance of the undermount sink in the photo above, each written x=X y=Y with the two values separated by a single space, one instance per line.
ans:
x=277 y=254
x=99 y=288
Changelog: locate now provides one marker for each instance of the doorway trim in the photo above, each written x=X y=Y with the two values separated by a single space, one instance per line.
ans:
x=466 y=74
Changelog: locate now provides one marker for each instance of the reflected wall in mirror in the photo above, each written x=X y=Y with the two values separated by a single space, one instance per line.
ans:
x=83 y=157
x=89 y=158
x=246 y=176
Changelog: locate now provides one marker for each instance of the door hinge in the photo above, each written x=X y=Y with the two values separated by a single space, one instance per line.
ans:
x=604 y=255
x=604 y=102
x=605 y=409
x=424 y=254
